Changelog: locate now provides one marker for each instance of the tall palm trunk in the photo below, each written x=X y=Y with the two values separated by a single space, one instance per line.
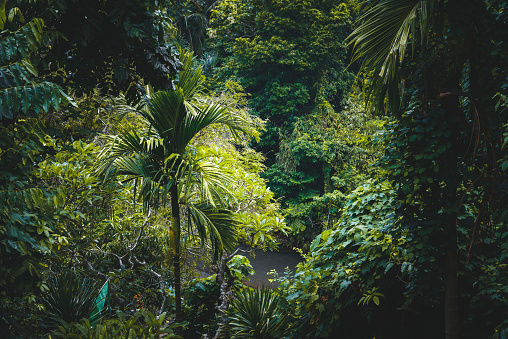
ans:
x=175 y=240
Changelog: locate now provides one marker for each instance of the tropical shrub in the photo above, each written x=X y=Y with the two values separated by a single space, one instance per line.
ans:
x=352 y=272
x=201 y=297
x=142 y=324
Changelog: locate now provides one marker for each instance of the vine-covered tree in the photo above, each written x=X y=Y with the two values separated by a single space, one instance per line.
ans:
x=451 y=76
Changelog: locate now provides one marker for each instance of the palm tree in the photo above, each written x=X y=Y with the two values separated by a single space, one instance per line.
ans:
x=165 y=161
x=381 y=40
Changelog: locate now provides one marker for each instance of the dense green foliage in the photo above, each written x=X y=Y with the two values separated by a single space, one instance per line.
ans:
x=141 y=141
x=291 y=57
x=142 y=324
x=30 y=214
x=111 y=45
x=441 y=160
x=284 y=52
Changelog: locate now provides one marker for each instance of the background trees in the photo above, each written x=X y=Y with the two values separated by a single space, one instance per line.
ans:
x=292 y=59
x=111 y=45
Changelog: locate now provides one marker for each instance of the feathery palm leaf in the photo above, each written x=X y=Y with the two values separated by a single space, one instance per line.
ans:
x=190 y=80
x=164 y=112
x=218 y=225
x=381 y=40
x=211 y=180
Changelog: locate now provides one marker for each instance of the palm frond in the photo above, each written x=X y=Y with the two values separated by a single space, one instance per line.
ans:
x=218 y=225
x=386 y=29
x=130 y=142
x=212 y=180
x=214 y=113
x=163 y=113
x=190 y=79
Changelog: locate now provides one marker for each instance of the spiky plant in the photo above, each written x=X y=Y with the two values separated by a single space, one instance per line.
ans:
x=255 y=313
x=70 y=297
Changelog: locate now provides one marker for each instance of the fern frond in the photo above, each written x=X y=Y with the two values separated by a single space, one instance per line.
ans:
x=17 y=74
x=21 y=43
x=38 y=97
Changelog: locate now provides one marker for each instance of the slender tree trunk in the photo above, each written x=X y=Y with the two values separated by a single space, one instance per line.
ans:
x=226 y=292
x=450 y=102
x=451 y=288
x=175 y=240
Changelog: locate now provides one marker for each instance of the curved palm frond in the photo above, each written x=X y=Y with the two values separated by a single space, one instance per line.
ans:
x=216 y=113
x=130 y=145
x=178 y=121
x=381 y=40
x=212 y=180
x=164 y=112
x=190 y=79
x=131 y=142
x=218 y=225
